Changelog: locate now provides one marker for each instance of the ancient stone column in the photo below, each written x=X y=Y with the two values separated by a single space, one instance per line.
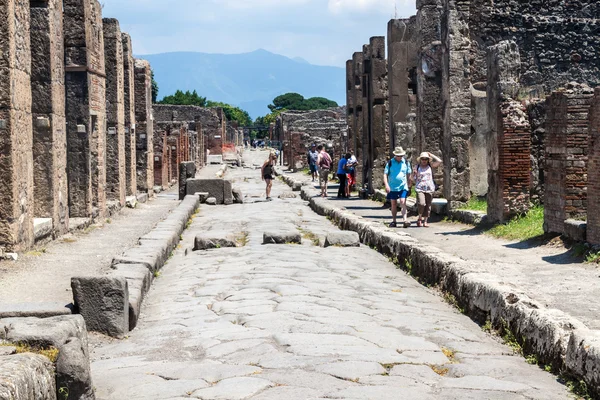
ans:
x=129 y=105
x=456 y=100
x=16 y=160
x=144 y=127
x=402 y=63
x=378 y=118
x=349 y=105
x=115 y=112
x=85 y=107
x=593 y=212
x=357 y=121
x=566 y=172
x=509 y=144
x=429 y=80
x=48 y=108
x=367 y=166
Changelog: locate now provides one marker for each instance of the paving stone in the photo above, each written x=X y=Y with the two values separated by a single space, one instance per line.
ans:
x=73 y=370
x=6 y=350
x=38 y=310
x=212 y=201
x=233 y=389
x=45 y=332
x=352 y=370
x=27 y=376
x=238 y=197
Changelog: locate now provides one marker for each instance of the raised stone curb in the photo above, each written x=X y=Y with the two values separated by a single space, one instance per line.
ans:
x=555 y=337
x=27 y=377
x=342 y=239
x=38 y=310
x=469 y=217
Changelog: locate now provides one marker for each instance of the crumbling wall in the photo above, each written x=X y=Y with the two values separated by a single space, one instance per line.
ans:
x=16 y=160
x=593 y=214
x=48 y=108
x=129 y=122
x=115 y=111
x=536 y=110
x=144 y=127
x=566 y=156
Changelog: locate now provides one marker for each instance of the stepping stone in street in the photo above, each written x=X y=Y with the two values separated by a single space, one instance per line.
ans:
x=203 y=242
x=342 y=239
x=282 y=237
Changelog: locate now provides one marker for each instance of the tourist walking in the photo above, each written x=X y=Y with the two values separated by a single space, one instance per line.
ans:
x=268 y=171
x=341 y=173
x=397 y=179
x=351 y=173
x=324 y=164
x=313 y=156
x=425 y=185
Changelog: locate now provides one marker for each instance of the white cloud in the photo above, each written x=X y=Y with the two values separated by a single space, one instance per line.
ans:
x=354 y=6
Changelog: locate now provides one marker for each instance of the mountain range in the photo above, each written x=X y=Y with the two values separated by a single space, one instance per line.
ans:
x=250 y=80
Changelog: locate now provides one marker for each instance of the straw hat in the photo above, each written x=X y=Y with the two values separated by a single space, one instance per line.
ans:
x=399 y=152
x=424 y=155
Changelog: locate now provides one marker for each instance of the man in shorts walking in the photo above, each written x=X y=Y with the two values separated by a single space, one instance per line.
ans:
x=397 y=176
x=313 y=156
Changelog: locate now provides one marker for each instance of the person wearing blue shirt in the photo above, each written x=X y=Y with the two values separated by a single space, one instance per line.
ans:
x=341 y=173
x=397 y=179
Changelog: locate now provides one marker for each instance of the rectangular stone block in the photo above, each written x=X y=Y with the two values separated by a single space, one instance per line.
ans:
x=187 y=170
x=214 y=187
x=104 y=303
x=27 y=377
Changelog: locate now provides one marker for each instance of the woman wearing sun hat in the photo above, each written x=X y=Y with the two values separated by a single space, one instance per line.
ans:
x=424 y=185
x=397 y=179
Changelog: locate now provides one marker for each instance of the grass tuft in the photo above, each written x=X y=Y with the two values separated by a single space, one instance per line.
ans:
x=440 y=370
x=523 y=227
x=476 y=204
x=49 y=352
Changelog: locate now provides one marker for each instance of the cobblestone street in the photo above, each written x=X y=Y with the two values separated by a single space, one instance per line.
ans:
x=300 y=321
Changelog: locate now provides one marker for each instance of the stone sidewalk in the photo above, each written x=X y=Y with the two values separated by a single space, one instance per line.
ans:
x=546 y=274
x=300 y=322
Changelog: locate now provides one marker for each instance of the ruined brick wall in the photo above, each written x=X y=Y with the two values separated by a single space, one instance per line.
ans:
x=559 y=41
x=161 y=170
x=48 y=108
x=536 y=111
x=16 y=160
x=115 y=112
x=593 y=214
x=129 y=122
x=144 y=126
x=85 y=107
x=566 y=156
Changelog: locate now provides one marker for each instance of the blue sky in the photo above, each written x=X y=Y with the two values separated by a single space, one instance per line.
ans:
x=323 y=32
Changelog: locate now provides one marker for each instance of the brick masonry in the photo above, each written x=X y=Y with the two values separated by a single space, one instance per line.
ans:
x=566 y=156
x=16 y=160
x=115 y=112
x=593 y=214
x=129 y=112
x=144 y=127
x=48 y=109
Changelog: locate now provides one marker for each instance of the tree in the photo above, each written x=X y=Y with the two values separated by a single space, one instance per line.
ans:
x=232 y=113
x=184 y=99
x=154 y=87
x=295 y=101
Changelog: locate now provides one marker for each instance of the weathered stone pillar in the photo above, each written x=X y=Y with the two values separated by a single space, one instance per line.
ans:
x=402 y=63
x=48 y=107
x=378 y=118
x=593 y=214
x=357 y=121
x=144 y=127
x=115 y=112
x=367 y=166
x=567 y=131
x=509 y=144
x=16 y=159
x=429 y=80
x=456 y=100
x=349 y=104
x=85 y=107
x=129 y=105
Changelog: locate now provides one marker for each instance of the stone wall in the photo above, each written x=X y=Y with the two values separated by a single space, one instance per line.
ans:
x=593 y=214
x=566 y=156
x=129 y=106
x=48 y=108
x=144 y=127
x=115 y=112
x=16 y=160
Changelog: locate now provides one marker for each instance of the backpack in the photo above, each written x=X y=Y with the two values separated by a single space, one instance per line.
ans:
x=389 y=165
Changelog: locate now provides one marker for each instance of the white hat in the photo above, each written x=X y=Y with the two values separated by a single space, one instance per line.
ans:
x=399 y=152
x=424 y=155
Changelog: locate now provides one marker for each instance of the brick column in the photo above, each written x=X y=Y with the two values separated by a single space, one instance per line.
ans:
x=85 y=107
x=593 y=214
x=567 y=132
x=509 y=144
x=456 y=100
x=16 y=160
x=115 y=111
x=129 y=105
x=48 y=108
x=144 y=127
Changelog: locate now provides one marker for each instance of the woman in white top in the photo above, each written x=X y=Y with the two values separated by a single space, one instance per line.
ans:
x=425 y=186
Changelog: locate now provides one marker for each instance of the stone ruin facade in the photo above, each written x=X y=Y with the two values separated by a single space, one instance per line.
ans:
x=77 y=120
x=499 y=90
x=297 y=130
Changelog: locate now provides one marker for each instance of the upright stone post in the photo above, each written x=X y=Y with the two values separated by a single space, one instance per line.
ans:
x=115 y=111
x=378 y=115
x=16 y=159
x=358 y=120
x=429 y=79
x=402 y=62
x=50 y=188
x=85 y=107
x=144 y=127
x=129 y=105
x=566 y=172
x=456 y=100
x=509 y=144
x=349 y=105
x=593 y=214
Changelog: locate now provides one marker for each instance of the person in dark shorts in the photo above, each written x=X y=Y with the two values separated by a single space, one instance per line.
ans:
x=312 y=157
x=268 y=171
x=397 y=179
x=341 y=173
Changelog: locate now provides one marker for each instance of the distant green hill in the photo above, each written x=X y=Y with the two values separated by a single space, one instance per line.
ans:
x=250 y=80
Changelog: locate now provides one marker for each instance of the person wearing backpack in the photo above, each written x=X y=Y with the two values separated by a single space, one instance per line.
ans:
x=324 y=163
x=397 y=179
x=424 y=185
